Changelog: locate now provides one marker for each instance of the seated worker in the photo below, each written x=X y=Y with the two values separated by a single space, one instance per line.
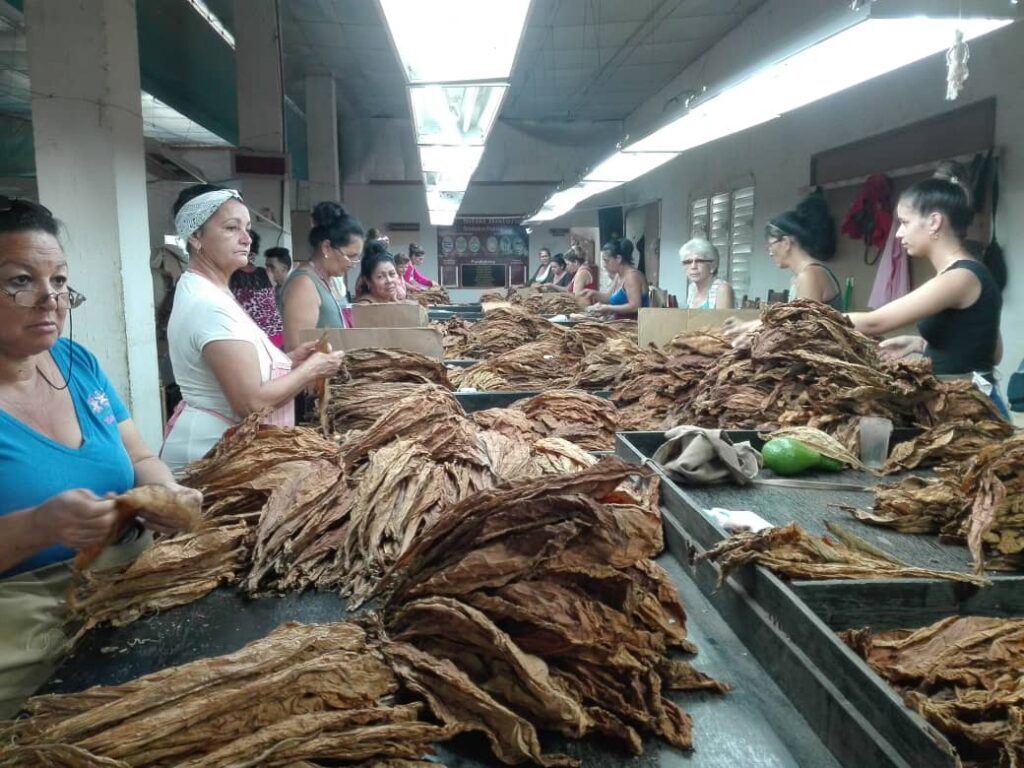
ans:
x=705 y=290
x=378 y=276
x=629 y=285
x=958 y=310
x=66 y=441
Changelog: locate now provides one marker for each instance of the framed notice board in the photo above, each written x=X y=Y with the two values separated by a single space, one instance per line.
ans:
x=483 y=252
x=483 y=275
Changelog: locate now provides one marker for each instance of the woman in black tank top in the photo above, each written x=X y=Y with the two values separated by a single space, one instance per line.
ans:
x=800 y=240
x=958 y=310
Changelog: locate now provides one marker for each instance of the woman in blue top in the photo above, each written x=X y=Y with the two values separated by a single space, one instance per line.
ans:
x=629 y=286
x=66 y=442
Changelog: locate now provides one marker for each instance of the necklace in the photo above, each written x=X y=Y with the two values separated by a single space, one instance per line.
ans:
x=52 y=385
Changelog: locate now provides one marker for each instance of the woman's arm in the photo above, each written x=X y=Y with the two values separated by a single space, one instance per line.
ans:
x=725 y=298
x=422 y=279
x=237 y=368
x=634 y=285
x=75 y=519
x=150 y=470
x=301 y=309
x=957 y=288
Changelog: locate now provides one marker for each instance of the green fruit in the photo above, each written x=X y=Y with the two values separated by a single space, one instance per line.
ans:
x=786 y=456
x=828 y=464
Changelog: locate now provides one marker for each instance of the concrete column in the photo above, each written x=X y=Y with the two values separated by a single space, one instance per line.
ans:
x=322 y=138
x=90 y=163
x=261 y=112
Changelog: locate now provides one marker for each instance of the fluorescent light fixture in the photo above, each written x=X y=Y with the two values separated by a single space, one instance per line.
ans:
x=455 y=114
x=211 y=18
x=853 y=56
x=564 y=201
x=440 y=200
x=442 y=218
x=456 y=40
x=454 y=161
x=446 y=182
x=626 y=166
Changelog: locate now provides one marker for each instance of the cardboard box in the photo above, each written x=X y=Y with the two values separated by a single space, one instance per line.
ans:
x=660 y=326
x=389 y=316
x=425 y=341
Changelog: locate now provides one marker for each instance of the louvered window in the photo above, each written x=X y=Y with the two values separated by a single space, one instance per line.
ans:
x=727 y=220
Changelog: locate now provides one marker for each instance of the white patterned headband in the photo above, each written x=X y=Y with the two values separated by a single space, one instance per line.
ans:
x=198 y=210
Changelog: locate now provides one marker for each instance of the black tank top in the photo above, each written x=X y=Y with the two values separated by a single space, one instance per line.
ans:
x=964 y=340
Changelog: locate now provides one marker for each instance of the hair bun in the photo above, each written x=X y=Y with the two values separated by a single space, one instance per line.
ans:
x=327 y=213
x=813 y=214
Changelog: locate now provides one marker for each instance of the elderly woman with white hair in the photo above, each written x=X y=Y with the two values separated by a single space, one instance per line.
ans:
x=224 y=364
x=705 y=290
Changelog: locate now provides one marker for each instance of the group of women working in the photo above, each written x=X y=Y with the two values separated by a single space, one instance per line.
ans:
x=59 y=412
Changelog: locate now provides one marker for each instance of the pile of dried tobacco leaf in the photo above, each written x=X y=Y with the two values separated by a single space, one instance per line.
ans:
x=543 y=593
x=963 y=675
x=430 y=296
x=807 y=366
x=979 y=501
x=547 y=304
x=500 y=331
x=392 y=366
x=792 y=552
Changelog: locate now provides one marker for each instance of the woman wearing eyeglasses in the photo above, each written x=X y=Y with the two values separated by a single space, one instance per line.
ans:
x=705 y=290
x=224 y=364
x=66 y=442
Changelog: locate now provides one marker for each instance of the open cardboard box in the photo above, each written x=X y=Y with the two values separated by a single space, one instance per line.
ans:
x=660 y=326
x=409 y=315
x=425 y=341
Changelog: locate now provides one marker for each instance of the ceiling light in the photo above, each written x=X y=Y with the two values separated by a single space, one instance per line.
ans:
x=442 y=218
x=565 y=200
x=211 y=18
x=626 y=166
x=442 y=200
x=853 y=56
x=456 y=40
x=455 y=114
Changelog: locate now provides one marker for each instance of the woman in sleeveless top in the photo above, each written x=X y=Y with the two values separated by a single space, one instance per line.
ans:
x=312 y=297
x=800 y=240
x=629 y=285
x=705 y=290
x=958 y=310
x=579 y=273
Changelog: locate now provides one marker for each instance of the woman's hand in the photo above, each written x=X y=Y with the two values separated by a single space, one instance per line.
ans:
x=77 y=518
x=152 y=519
x=322 y=365
x=900 y=346
x=302 y=352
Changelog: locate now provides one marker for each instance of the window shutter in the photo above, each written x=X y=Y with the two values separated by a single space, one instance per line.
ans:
x=720 y=220
x=741 y=247
x=699 y=218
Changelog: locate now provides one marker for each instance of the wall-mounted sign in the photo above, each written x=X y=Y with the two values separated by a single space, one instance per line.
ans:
x=483 y=252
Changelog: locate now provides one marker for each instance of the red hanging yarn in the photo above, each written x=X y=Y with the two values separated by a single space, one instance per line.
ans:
x=870 y=217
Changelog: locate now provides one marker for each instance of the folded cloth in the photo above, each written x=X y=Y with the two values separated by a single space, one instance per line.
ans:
x=705 y=456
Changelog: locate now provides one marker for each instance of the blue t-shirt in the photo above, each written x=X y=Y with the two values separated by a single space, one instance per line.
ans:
x=34 y=468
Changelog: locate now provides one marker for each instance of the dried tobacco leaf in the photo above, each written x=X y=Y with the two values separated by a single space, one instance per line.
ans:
x=946 y=444
x=390 y=366
x=792 y=552
x=173 y=507
x=303 y=693
x=503 y=330
x=963 y=675
x=434 y=295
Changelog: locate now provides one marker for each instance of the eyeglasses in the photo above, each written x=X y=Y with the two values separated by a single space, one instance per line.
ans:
x=30 y=297
x=688 y=262
x=772 y=241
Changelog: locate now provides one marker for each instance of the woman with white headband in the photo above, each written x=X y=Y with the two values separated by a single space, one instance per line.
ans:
x=225 y=366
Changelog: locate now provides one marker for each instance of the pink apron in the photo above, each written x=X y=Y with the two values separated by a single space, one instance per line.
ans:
x=283 y=416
